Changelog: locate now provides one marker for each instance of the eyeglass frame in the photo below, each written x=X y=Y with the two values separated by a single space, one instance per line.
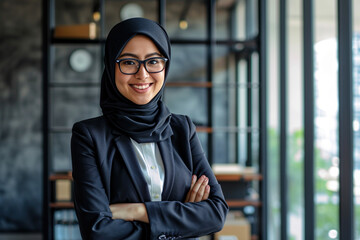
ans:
x=140 y=62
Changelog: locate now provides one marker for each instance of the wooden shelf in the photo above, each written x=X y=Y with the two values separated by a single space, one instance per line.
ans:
x=219 y=177
x=231 y=203
x=190 y=84
x=243 y=203
x=76 y=41
x=63 y=176
x=62 y=205
x=74 y=84
x=204 y=129
x=238 y=177
x=250 y=44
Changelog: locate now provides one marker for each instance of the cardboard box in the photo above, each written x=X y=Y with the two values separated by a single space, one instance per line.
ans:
x=84 y=31
x=63 y=190
x=236 y=227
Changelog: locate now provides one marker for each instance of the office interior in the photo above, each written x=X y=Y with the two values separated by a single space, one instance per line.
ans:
x=273 y=87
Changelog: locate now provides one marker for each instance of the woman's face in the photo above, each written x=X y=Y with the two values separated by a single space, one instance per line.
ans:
x=141 y=87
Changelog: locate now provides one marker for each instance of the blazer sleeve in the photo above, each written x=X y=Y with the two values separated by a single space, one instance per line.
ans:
x=175 y=219
x=91 y=201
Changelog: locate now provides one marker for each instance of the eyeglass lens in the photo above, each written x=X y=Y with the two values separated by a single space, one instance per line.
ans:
x=131 y=66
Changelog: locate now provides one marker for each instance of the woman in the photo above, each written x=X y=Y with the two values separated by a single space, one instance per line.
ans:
x=139 y=171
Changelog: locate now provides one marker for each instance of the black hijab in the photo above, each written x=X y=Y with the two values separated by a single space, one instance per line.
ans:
x=143 y=123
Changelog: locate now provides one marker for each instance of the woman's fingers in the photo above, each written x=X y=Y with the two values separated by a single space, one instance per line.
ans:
x=197 y=192
x=193 y=181
x=200 y=192
x=207 y=193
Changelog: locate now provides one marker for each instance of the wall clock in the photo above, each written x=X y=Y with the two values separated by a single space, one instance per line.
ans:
x=80 y=60
x=131 y=10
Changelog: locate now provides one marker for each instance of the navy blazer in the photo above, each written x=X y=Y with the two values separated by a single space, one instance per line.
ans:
x=105 y=171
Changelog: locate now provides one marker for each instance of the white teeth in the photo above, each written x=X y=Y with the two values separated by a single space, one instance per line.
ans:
x=141 y=86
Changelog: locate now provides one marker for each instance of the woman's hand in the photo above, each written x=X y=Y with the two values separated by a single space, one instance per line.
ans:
x=199 y=189
x=129 y=212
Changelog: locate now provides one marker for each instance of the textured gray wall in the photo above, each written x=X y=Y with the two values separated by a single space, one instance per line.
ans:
x=20 y=115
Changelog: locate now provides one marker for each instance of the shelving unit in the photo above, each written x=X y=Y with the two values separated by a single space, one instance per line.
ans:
x=219 y=177
x=222 y=59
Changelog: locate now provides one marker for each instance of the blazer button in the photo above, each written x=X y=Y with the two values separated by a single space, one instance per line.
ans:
x=162 y=237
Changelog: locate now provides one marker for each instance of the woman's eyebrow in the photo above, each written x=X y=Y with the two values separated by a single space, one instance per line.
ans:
x=135 y=56
x=153 y=54
x=128 y=55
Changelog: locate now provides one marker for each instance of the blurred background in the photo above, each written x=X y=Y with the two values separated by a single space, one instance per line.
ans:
x=260 y=79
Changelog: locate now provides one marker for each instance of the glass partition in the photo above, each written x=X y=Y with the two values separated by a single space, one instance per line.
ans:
x=236 y=19
x=119 y=10
x=76 y=64
x=326 y=141
x=295 y=123
x=190 y=101
x=65 y=10
x=186 y=19
x=273 y=131
x=188 y=64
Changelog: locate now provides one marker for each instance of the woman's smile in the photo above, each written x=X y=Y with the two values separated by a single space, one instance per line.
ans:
x=144 y=86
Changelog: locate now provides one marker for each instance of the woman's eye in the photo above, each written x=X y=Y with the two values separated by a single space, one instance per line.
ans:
x=129 y=62
x=153 y=62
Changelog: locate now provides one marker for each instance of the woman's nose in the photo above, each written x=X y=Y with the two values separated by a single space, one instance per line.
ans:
x=142 y=73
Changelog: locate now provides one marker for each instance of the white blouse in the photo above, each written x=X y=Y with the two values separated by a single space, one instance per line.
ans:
x=152 y=167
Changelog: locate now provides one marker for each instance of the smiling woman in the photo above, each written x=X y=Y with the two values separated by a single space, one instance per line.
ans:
x=139 y=170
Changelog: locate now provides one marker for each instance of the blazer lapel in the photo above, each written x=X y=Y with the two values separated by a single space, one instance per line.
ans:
x=165 y=148
x=125 y=148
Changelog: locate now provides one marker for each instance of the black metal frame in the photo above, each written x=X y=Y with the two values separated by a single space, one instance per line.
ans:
x=45 y=120
x=249 y=152
x=162 y=12
x=263 y=232
x=283 y=122
x=256 y=44
x=308 y=33
x=48 y=22
x=211 y=10
x=345 y=80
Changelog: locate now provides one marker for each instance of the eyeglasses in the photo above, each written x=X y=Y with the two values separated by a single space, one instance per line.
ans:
x=130 y=66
